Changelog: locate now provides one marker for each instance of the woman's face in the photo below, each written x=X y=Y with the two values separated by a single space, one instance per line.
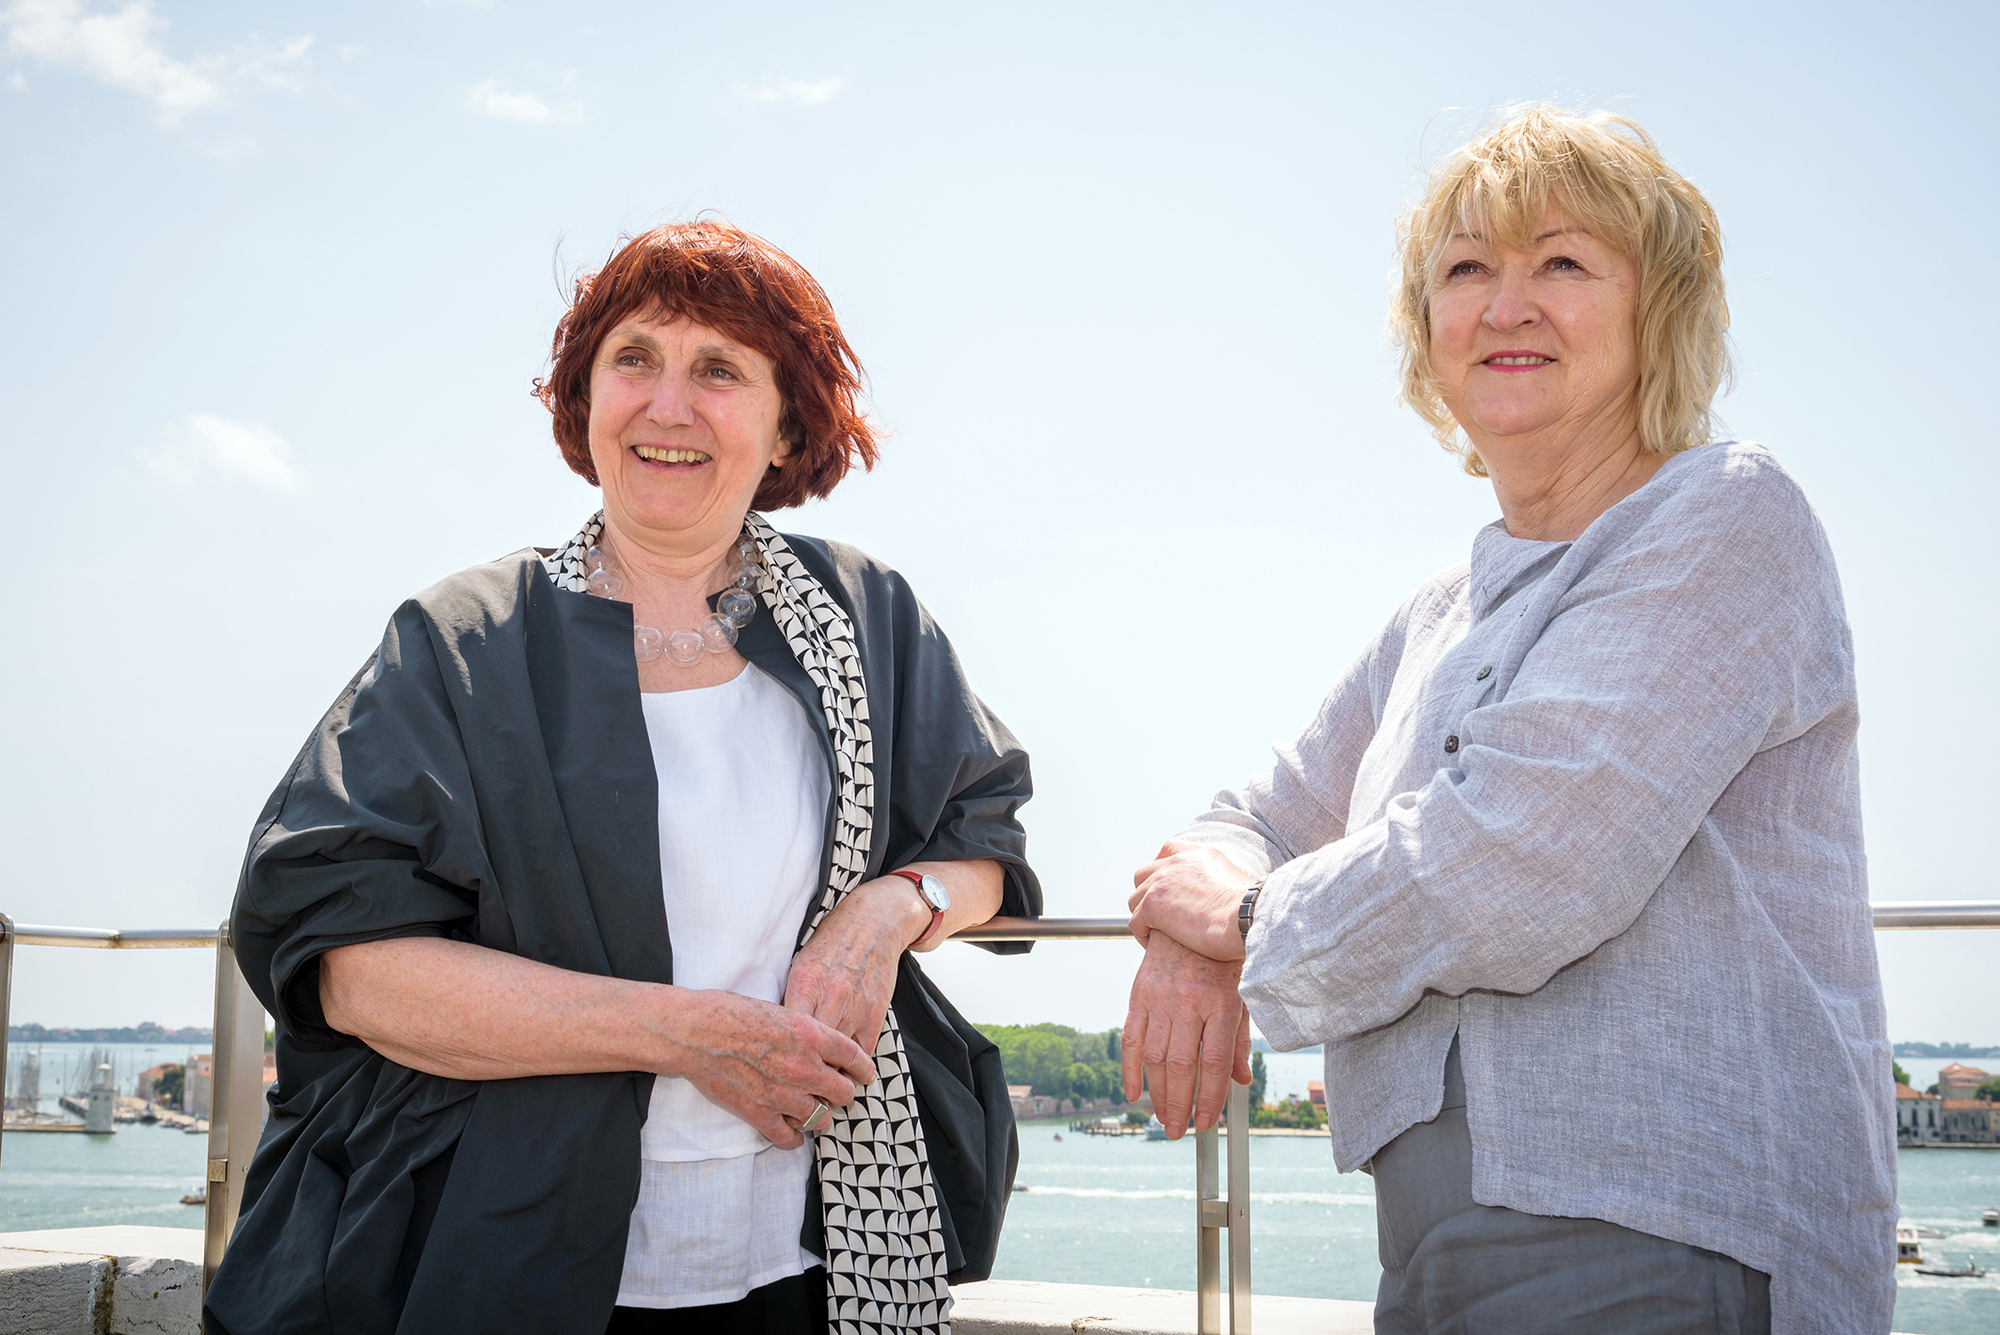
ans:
x=1537 y=346
x=683 y=425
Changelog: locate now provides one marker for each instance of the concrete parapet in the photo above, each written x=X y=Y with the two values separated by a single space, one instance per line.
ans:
x=1024 y=1307
x=122 y=1280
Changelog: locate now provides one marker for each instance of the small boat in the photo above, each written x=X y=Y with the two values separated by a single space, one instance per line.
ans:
x=1909 y=1247
x=1970 y=1270
x=1990 y=1217
x=195 y=1198
x=1155 y=1129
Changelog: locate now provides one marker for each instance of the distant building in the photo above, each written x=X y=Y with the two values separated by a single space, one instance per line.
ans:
x=199 y=1098
x=1969 y=1121
x=1027 y=1103
x=1917 y=1117
x=1957 y=1081
x=147 y=1084
x=1316 y=1093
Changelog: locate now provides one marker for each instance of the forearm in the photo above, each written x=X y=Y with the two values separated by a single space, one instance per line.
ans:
x=976 y=889
x=454 y=1009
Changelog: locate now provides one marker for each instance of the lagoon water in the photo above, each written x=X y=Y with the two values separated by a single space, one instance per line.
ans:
x=1097 y=1210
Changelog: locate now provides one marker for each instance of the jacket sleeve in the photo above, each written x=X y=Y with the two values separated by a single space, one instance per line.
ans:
x=1671 y=658
x=366 y=838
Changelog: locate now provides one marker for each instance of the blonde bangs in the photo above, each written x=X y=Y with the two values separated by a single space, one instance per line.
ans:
x=1604 y=173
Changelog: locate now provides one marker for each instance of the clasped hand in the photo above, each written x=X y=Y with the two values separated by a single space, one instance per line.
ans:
x=1186 y=1027
x=818 y=1044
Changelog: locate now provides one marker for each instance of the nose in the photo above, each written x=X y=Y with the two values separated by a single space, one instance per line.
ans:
x=671 y=405
x=1513 y=305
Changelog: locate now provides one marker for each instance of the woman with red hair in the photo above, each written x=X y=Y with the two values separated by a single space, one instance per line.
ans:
x=586 y=913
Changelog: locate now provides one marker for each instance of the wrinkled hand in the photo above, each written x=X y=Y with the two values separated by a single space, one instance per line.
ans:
x=1192 y=893
x=846 y=974
x=1185 y=1020
x=764 y=1063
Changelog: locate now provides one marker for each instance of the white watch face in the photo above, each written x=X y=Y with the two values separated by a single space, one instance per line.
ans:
x=935 y=894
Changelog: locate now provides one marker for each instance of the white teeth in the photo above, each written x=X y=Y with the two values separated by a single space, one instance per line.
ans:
x=660 y=456
x=1519 y=361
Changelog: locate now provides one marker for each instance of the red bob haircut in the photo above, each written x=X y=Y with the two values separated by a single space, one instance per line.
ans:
x=742 y=285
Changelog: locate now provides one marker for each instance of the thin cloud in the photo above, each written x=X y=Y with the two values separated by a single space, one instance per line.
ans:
x=125 y=48
x=794 y=92
x=492 y=98
x=204 y=446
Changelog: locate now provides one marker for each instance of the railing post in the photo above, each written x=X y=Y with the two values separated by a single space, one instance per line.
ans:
x=236 y=1096
x=6 y=995
x=1210 y=1217
x=1214 y=1214
x=1239 y=1209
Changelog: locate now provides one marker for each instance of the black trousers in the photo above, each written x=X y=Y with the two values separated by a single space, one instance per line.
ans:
x=793 y=1306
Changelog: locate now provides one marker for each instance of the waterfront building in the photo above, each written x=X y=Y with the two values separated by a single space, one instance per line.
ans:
x=1027 y=1103
x=1316 y=1094
x=1918 y=1117
x=1969 y=1121
x=1958 y=1081
x=200 y=1095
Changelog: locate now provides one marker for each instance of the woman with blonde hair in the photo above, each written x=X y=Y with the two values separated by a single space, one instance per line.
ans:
x=1567 y=873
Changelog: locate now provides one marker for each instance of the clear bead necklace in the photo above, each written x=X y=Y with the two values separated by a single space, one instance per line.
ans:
x=716 y=634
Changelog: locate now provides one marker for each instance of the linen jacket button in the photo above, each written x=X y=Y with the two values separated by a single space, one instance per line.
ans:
x=1451 y=745
x=1484 y=673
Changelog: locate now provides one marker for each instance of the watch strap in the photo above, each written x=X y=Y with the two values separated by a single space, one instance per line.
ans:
x=1246 y=913
x=916 y=879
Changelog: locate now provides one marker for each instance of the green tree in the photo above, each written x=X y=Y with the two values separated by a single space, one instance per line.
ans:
x=170 y=1085
x=1896 y=1069
x=1988 y=1089
x=1087 y=1048
x=1111 y=1038
x=1256 y=1079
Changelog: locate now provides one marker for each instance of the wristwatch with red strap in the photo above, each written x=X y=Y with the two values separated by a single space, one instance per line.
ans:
x=935 y=896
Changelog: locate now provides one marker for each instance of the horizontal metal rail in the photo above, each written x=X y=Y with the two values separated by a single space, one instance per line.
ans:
x=1896 y=915
x=111 y=938
x=1047 y=929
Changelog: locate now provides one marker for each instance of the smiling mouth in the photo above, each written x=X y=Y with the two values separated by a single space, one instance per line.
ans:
x=654 y=454
x=1519 y=359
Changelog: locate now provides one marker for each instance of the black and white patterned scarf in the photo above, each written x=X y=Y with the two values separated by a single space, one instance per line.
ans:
x=885 y=1258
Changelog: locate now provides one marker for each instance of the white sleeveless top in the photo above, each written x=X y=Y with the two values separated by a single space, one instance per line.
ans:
x=743 y=801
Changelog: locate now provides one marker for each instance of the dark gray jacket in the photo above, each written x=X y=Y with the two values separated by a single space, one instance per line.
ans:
x=487 y=777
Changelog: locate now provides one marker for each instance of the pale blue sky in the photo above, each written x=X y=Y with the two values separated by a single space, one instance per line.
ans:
x=275 y=279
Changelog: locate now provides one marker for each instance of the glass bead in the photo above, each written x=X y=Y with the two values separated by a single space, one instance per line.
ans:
x=647 y=643
x=738 y=606
x=603 y=583
x=748 y=552
x=718 y=633
x=684 y=647
x=745 y=578
x=594 y=557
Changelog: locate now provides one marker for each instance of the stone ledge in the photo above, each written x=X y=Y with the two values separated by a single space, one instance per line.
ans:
x=117 y=1280
x=1027 y=1307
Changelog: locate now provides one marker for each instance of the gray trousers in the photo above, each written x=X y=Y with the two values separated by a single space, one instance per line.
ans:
x=1453 y=1267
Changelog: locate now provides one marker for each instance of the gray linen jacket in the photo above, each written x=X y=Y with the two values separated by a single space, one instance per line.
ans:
x=1594 y=807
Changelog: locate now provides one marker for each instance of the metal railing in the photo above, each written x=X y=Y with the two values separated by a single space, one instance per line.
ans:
x=1222 y=1201
x=236 y=1093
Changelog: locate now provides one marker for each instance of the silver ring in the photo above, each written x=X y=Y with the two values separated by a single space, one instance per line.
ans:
x=812 y=1125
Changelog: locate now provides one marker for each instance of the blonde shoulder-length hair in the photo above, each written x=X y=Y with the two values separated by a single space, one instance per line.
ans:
x=1606 y=174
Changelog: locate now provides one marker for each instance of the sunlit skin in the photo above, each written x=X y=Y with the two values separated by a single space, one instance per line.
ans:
x=711 y=406
x=1535 y=349
x=684 y=426
x=1536 y=354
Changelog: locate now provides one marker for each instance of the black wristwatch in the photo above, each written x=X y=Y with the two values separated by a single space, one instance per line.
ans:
x=1247 y=914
